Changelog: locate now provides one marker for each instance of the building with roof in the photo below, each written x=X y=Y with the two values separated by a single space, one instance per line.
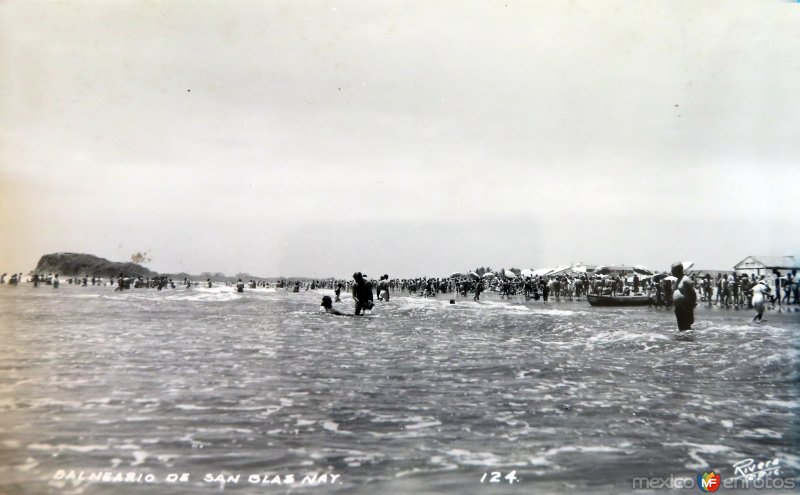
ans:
x=763 y=265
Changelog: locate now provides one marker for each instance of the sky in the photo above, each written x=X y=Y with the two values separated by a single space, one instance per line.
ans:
x=319 y=138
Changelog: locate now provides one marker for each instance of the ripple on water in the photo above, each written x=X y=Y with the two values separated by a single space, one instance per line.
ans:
x=423 y=391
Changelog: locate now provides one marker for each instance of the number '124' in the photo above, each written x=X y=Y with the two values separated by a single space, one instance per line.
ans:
x=497 y=477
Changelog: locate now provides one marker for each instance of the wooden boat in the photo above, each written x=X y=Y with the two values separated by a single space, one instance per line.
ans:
x=597 y=300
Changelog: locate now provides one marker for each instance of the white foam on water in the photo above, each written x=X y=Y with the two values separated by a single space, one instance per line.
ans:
x=215 y=296
x=191 y=407
x=83 y=449
x=556 y=312
x=782 y=404
x=139 y=457
x=758 y=433
x=422 y=424
x=694 y=451
x=467 y=458
x=542 y=460
x=330 y=426
x=48 y=402
x=30 y=463
x=224 y=430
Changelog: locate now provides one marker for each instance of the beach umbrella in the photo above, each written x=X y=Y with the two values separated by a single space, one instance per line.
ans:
x=641 y=270
x=579 y=269
x=489 y=275
x=526 y=272
x=687 y=265
x=473 y=274
x=457 y=275
x=541 y=272
x=510 y=274
x=659 y=276
x=602 y=270
x=671 y=278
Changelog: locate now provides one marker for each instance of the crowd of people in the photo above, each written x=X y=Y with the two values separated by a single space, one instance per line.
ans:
x=726 y=290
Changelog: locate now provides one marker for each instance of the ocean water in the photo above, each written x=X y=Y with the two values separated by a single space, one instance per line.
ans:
x=420 y=397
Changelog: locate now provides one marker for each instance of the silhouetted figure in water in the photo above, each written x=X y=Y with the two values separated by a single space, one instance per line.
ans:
x=362 y=293
x=684 y=298
x=327 y=305
x=338 y=292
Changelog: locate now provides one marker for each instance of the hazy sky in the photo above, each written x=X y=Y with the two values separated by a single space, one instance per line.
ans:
x=321 y=138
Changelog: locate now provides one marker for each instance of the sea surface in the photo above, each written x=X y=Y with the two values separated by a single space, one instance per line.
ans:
x=420 y=397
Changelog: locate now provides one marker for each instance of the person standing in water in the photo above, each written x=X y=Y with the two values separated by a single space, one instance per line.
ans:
x=684 y=298
x=760 y=292
x=362 y=293
x=338 y=292
x=240 y=286
x=478 y=290
x=383 y=288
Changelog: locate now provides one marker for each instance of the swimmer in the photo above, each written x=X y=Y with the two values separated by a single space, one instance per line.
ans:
x=208 y=281
x=56 y=282
x=684 y=298
x=240 y=286
x=338 y=292
x=760 y=292
x=327 y=306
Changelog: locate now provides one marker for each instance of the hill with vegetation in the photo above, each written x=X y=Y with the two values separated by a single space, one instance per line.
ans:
x=69 y=264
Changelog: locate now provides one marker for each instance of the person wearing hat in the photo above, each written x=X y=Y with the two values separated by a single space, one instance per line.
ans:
x=684 y=298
